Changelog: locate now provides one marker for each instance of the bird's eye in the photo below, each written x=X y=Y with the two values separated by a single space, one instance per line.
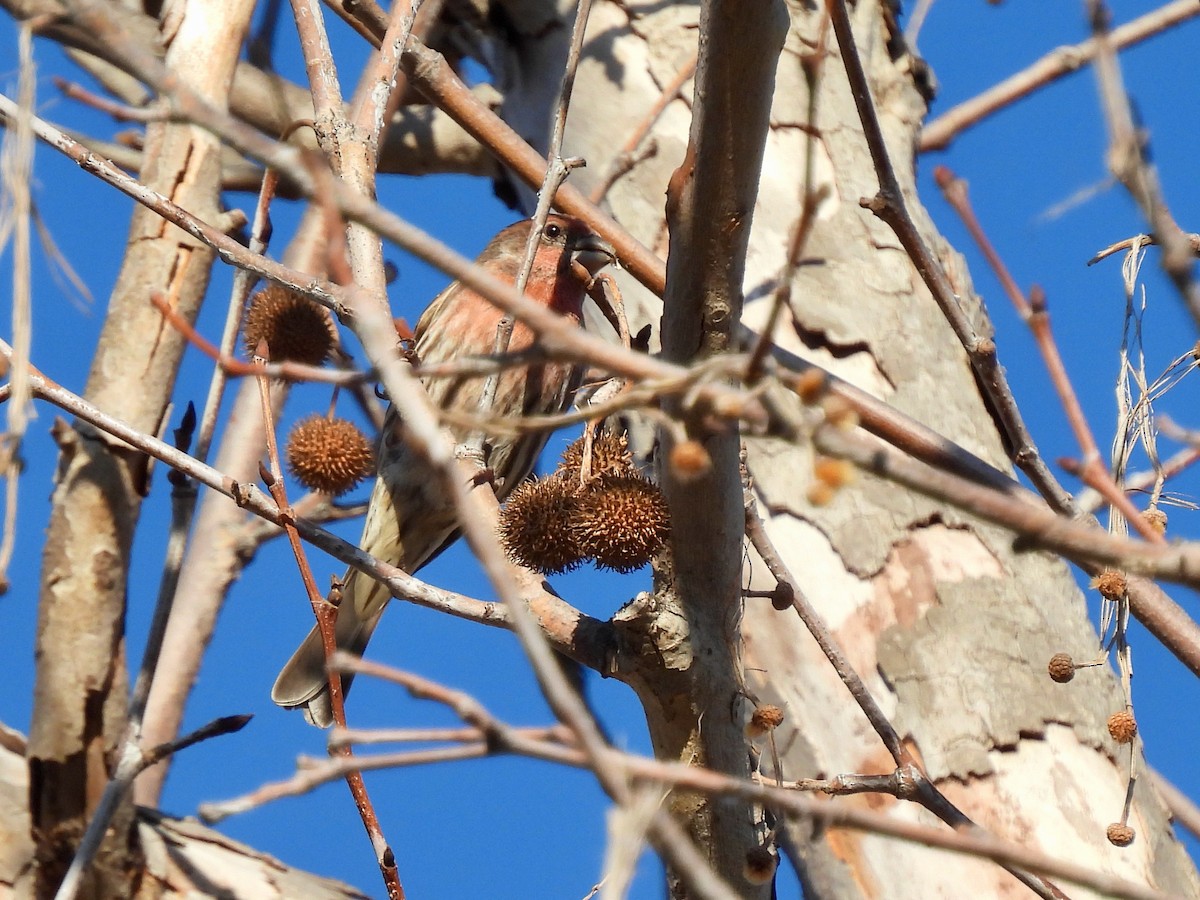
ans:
x=552 y=231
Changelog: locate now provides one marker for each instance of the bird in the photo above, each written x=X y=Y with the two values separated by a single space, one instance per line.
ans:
x=409 y=519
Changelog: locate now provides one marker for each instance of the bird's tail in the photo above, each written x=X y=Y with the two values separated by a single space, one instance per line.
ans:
x=303 y=682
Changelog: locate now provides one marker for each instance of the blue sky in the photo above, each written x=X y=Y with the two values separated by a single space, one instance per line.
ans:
x=512 y=828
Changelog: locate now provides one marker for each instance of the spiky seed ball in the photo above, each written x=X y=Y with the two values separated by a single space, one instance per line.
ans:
x=622 y=522
x=760 y=865
x=1119 y=834
x=764 y=718
x=690 y=461
x=610 y=457
x=1122 y=726
x=536 y=525
x=329 y=455
x=295 y=328
x=1111 y=584
x=1156 y=519
x=1062 y=667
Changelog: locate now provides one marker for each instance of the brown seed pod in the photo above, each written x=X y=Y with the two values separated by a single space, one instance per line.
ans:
x=329 y=455
x=610 y=457
x=764 y=718
x=1122 y=726
x=760 y=865
x=537 y=525
x=295 y=328
x=1111 y=584
x=784 y=596
x=1119 y=834
x=622 y=522
x=1061 y=668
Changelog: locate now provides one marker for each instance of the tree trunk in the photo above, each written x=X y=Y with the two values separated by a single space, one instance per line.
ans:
x=81 y=688
x=951 y=628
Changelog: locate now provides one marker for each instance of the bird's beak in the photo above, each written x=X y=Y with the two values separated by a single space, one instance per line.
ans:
x=593 y=253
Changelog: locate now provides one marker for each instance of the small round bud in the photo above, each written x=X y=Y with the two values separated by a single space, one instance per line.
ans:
x=1122 y=726
x=1062 y=667
x=764 y=718
x=330 y=456
x=690 y=461
x=1156 y=519
x=811 y=385
x=834 y=472
x=839 y=412
x=1111 y=584
x=760 y=865
x=1119 y=834
x=820 y=494
x=295 y=328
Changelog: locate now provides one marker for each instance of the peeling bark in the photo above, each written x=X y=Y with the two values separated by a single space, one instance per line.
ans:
x=949 y=626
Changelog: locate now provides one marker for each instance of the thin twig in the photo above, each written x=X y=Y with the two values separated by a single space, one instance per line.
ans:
x=556 y=173
x=938 y=134
x=122 y=112
x=1140 y=240
x=629 y=155
x=236 y=368
x=788 y=798
x=432 y=75
x=762 y=543
x=1035 y=313
x=811 y=198
x=16 y=178
x=242 y=282
x=889 y=205
x=351 y=147
x=1128 y=160
x=909 y=782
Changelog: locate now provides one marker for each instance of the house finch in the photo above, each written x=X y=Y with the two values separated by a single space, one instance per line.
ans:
x=409 y=520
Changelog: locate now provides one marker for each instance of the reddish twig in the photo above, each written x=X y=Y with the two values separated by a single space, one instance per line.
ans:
x=889 y=205
x=326 y=615
x=122 y=112
x=1034 y=313
x=236 y=368
x=352 y=151
x=431 y=74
